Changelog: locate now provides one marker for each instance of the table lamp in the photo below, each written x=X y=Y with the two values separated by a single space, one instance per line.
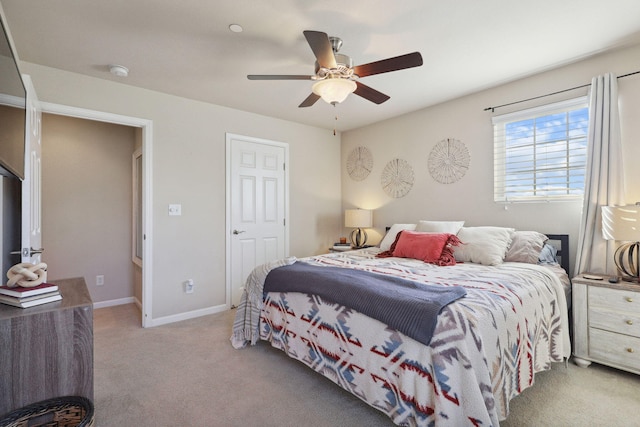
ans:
x=622 y=223
x=358 y=219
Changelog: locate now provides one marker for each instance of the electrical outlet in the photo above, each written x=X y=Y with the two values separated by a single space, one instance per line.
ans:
x=188 y=286
x=175 y=210
x=99 y=280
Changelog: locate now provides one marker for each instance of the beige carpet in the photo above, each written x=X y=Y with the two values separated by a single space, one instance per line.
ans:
x=187 y=374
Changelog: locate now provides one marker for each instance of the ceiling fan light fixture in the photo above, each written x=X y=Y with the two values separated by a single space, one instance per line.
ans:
x=334 y=90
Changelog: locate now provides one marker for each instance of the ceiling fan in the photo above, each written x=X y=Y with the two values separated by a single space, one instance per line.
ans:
x=336 y=77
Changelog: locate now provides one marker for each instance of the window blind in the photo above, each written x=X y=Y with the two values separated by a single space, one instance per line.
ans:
x=540 y=154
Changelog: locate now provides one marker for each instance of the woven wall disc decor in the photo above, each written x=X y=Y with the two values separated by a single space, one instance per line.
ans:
x=359 y=163
x=449 y=161
x=397 y=178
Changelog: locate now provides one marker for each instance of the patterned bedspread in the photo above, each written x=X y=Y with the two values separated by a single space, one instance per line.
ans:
x=485 y=350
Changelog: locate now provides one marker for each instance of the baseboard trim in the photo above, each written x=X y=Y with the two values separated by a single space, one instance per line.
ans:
x=114 y=302
x=188 y=315
x=163 y=320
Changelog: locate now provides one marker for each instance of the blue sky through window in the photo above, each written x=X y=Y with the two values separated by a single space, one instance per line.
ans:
x=546 y=156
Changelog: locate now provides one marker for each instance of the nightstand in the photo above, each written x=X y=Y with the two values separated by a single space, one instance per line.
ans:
x=606 y=323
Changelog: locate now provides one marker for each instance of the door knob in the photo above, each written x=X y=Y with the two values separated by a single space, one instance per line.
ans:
x=238 y=231
x=27 y=252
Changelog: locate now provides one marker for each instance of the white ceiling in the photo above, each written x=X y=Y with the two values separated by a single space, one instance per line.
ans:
x=184 y=47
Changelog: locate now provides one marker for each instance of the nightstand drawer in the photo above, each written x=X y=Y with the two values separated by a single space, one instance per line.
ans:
x=614 y=299
x=616 y=321
x=615 y=348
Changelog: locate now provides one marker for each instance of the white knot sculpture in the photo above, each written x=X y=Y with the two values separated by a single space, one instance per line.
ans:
x=27 y=275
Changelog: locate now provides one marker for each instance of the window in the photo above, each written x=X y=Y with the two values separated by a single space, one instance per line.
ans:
x=540 y=154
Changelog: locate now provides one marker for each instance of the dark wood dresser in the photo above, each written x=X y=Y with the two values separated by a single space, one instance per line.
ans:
x=47 y=351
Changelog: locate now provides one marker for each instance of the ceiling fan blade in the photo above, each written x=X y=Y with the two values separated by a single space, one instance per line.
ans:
x=401 y=62
x=277 y=77
x=321 y=47
x=371 y=94
x=311 y=99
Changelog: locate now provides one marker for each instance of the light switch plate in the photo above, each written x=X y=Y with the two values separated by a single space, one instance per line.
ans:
x=175 y=210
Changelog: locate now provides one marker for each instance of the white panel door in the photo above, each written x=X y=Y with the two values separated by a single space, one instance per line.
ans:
x=31 y=185
x=257 y=227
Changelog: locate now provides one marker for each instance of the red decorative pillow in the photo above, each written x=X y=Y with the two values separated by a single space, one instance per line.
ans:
x=447 y=257
x=433 y=248
x=389 y=253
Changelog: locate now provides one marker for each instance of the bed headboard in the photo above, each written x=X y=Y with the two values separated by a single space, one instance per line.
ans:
x=561 y=243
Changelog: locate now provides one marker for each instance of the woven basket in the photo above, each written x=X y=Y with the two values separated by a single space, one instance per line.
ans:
x=69 y=411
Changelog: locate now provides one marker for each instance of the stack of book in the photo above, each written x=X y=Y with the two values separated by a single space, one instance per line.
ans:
x=29 y=297
x=341 y=247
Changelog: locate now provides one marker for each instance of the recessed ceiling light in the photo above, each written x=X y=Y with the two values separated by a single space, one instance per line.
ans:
x=119 y=70
x=235 y=28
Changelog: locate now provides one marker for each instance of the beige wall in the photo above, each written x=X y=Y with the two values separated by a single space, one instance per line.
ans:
x=412 y=136
x=189 y=168
x=86 y=203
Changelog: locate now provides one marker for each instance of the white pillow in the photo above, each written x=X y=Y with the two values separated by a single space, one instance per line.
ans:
x=483 y=245
x=451 y=227
x=526 y=247
x=390 y=237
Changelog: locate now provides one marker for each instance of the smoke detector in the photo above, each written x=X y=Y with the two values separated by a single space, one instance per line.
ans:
x=119 y=70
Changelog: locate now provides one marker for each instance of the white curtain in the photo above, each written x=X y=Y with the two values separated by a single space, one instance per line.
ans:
x=604 y=183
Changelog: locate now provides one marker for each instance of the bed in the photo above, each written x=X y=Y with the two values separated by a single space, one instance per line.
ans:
x=485 y=347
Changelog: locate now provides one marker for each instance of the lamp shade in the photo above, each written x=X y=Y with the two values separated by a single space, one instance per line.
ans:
x=334 y=90
x=358 y=218
x=621 y=223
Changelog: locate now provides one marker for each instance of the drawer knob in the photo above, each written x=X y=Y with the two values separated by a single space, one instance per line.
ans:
x=629 y=299
x=629 y=322
x=629 y=350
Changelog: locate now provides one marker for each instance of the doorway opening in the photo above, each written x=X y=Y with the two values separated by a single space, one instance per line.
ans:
x=144 y=130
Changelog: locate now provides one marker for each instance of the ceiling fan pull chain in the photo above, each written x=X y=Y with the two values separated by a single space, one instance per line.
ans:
x=334 y=127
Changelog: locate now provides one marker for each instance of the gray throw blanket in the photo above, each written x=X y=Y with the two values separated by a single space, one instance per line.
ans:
x=247 y=321
x=407 y=306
